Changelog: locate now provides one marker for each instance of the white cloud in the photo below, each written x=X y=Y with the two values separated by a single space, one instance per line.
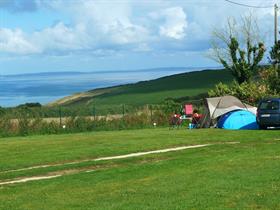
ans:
x=110 y=25
x=14 y=41
x=94 y=27
x=132 y=26
x=175 y=23
x=61 y=37
x=97 y=25
x=171 y=22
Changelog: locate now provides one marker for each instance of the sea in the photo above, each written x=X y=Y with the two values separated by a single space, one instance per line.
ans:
x=49 y=86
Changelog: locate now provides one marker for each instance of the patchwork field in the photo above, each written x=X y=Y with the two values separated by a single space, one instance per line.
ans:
x=230 y=170
x=179 y=86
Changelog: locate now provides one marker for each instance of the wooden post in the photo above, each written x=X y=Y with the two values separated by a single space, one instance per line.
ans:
x=94 y=112
x=60 y=120
x=123 y=110
x=151 y=110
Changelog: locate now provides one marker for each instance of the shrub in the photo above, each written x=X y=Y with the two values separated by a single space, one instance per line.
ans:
x=170 y=106
x=30 y=123
x=271 y=79
x=250 y=92
x=7 y=126
x=220 y=89
x=23 y=125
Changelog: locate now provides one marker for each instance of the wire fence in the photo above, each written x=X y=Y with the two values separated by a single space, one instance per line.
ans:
x=53 y=120
x=40 y=120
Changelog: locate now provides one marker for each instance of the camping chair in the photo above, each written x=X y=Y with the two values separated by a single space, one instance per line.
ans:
x=175 y=121
x=189 y=110
x=196 y=120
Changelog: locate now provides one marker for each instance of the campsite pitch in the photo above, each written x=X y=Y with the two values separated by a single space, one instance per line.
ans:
x=219 y=176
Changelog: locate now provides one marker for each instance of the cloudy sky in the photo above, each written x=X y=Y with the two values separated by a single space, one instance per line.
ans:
x=89 y=35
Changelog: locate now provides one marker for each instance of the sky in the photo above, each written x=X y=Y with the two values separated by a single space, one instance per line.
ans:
x=95 y=35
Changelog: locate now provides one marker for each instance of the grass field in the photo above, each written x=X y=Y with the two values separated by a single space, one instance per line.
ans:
x=219 y=176
x=190 y=84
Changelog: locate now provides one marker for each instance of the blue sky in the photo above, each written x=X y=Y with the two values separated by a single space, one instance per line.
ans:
x=89 y=35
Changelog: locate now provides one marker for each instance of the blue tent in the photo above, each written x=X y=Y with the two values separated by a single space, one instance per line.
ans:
x=238 y=120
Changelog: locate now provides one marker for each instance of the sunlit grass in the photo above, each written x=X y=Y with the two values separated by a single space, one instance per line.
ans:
x=220 y=176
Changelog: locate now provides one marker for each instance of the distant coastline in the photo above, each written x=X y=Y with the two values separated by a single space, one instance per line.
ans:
x=48 y=86
x=110 y=71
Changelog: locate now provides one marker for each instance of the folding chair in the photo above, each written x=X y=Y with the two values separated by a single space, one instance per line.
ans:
x=196 y=120
x=189 y=110
x=175 y=121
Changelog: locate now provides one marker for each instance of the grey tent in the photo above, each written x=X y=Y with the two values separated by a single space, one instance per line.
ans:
x=218 y=106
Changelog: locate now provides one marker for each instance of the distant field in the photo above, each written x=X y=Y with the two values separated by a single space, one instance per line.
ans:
x=244 y=175
x=185 y=85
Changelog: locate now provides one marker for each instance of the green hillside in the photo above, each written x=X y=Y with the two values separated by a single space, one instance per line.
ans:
x=180 y=86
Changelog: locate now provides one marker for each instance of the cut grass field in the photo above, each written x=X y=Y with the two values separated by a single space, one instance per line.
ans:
x=218 y=176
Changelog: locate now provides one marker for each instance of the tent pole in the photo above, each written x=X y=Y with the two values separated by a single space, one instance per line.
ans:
x=206 y=112
x=216 y=108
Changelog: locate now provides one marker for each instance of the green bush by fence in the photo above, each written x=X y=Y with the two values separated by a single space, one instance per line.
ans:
x=24 y=120
x=23 y=124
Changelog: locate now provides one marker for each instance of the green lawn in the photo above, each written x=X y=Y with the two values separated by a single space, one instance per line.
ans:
x=220 y=176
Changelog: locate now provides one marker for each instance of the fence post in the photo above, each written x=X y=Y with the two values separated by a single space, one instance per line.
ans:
x=94 y=112
x=60 y=120
x=123 y=113
x=123 y=110
x=151 y=111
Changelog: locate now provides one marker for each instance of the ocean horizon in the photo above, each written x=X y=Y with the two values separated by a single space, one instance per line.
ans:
x=49 y=86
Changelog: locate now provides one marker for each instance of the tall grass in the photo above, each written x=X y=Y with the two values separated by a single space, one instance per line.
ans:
x=24 y=125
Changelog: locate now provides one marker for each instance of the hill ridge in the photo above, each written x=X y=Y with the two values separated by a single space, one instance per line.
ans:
x=181 y=85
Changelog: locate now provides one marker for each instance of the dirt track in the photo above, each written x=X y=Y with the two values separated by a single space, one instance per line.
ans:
x=58 y=174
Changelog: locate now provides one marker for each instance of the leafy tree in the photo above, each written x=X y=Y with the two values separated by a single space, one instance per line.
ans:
x=273 y=78
x=244 y=63
x=249 y=92
x=239 y=53
x=170 y=106
x=270 y=77
x=275 y=53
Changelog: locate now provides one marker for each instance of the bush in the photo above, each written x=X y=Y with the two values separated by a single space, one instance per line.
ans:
x=170 y=106
x=7 y=126
x=27 y=122
x=271 y=79
x=23 y=125
x=249 y=92
x=220 y=89
x=49 y=128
